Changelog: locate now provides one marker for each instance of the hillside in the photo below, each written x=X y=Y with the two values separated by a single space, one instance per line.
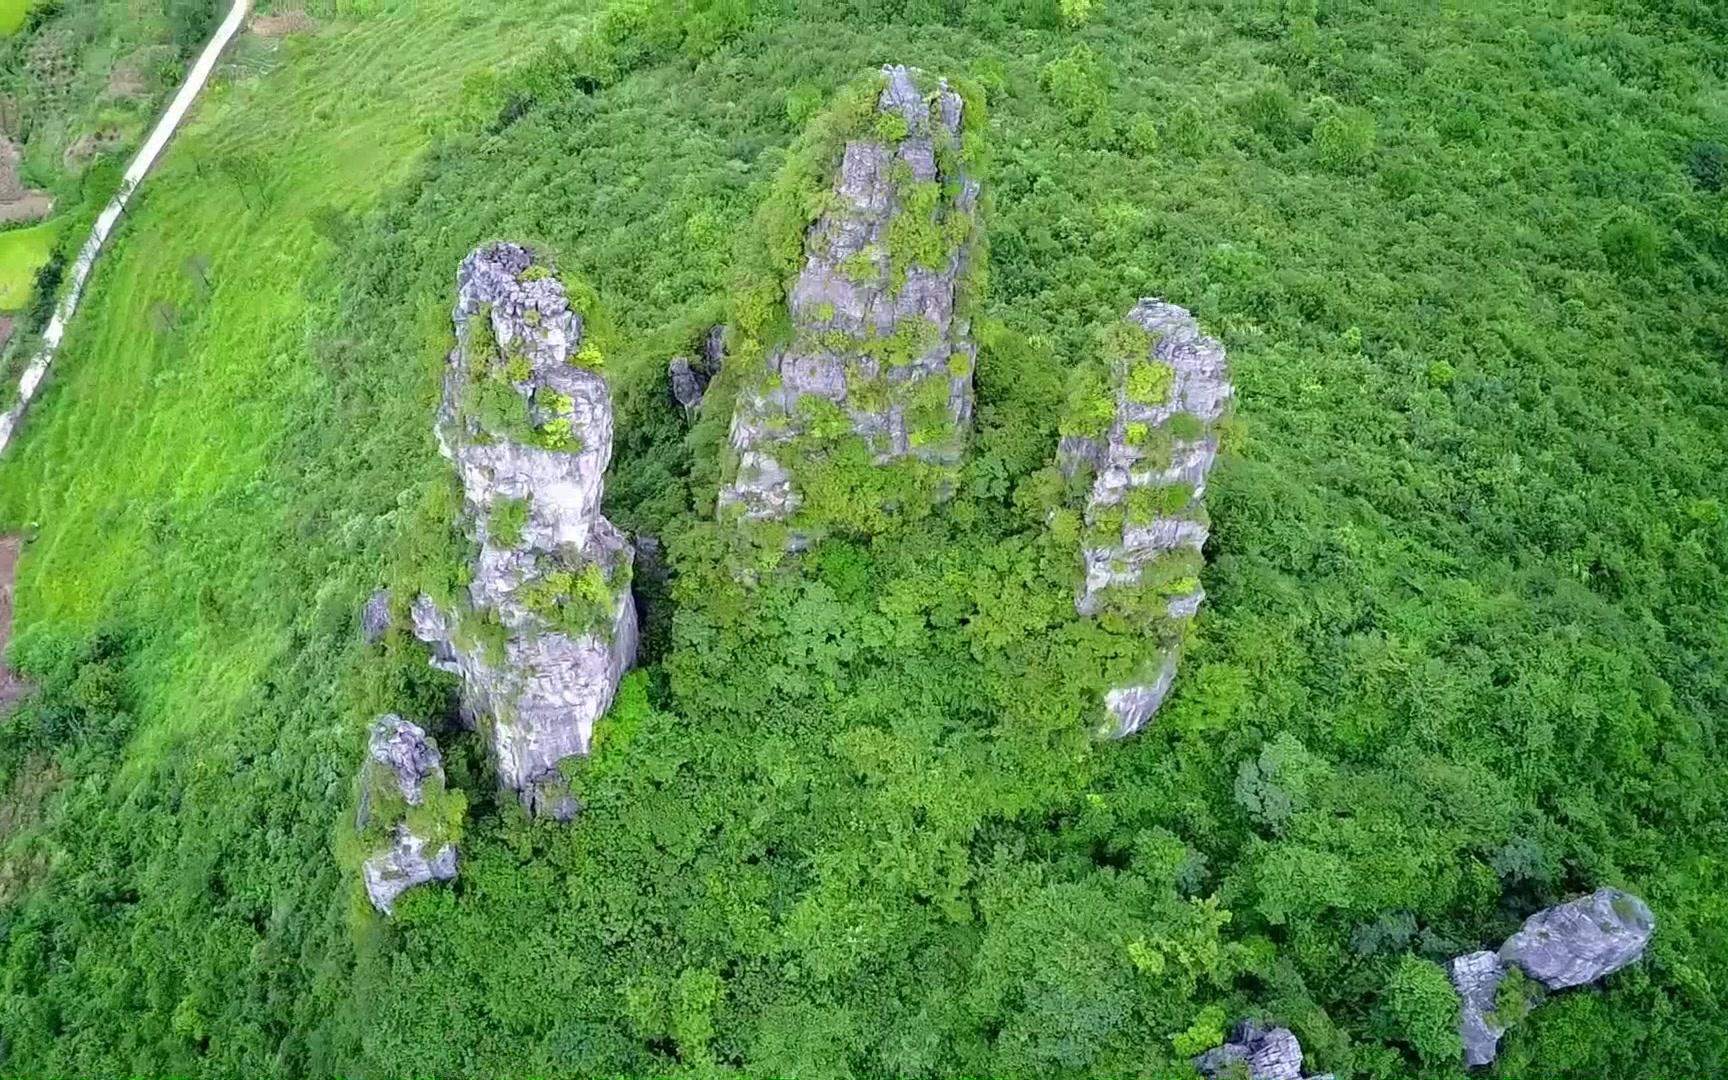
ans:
x=1460 y=656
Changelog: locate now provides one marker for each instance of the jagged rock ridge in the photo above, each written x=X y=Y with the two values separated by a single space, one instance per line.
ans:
x=1145 y=432
x=1569 y=945
x=403 y=771
x=548 y=625
x=881 y=344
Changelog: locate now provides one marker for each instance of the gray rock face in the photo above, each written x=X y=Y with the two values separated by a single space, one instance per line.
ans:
x=407 y=754
x=880 y=349
x=1581 y=941
x=1148 y=452
x=689 y=378
x=687 y=385
x=548 y=626
x=375 y=618
x=403 y=865
x=1131 y=708
x=1476 y=977
x=1255 y=1052
x=1565 y=946
x=401 y=759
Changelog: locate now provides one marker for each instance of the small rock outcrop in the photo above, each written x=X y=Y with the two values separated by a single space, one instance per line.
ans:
x=1476 y=976
x=1570 y=945
x=548 y=625
x=1581 y=941
x=1141 y=426
x=375 y=617
x=1255 y=1052
x=688 y=382
x=688 y=378
x=405 y=811
x=880 y=348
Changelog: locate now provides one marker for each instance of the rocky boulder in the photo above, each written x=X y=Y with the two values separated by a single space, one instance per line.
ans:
x=1476 y=977
x=1581 y=941
x=1562 y=947
x=687 y=382
x=405 y=812
x=548 y=625
x=1256 y=1053
x=880 y=348
x=688 y=378
x=403 y=865
x=1141 y=431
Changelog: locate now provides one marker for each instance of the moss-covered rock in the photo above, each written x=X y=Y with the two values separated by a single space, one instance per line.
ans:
x=879 y=314
x=546 y=625
x=1141 y=425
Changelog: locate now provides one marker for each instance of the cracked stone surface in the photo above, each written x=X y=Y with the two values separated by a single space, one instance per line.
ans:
x=540 y=655
x=1256 y=1052
x=854 y=298
x=1151 y=448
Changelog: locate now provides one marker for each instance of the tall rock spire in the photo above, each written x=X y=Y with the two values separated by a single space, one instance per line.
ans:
x=875 y=368
x=1142 y=429
x=548 y=625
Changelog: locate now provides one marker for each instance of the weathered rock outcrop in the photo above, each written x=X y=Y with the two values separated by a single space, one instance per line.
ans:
x=1581 y=941
x=881 y=346
x=375 y=617
x=1476 y=976
x=688 y=378
x=1565 y=946
x=548 y=625
x=403 y=772
x=1257 y=1053
x=1143 y=430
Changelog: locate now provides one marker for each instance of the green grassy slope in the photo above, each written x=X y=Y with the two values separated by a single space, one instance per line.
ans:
x=22 y=253
x=12 y=14
x=1460 y=657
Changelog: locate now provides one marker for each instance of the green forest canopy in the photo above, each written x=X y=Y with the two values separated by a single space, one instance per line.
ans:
x=1463 y=655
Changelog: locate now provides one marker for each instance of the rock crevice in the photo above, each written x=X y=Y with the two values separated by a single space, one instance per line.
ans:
x=547 y=626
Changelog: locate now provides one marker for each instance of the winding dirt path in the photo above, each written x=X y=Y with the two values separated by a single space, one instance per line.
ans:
x=135 y=173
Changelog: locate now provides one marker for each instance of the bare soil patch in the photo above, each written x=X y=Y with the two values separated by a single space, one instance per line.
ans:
x=283 y=23
x=11 y=686
x=91 y=145
x=136 y=76
x=18 y=202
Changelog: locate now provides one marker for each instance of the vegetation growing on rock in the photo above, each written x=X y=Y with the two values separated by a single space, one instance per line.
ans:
x=1461 y=657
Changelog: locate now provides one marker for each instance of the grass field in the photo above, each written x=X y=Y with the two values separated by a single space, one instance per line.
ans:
x=12 y=14
x=22 y=253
